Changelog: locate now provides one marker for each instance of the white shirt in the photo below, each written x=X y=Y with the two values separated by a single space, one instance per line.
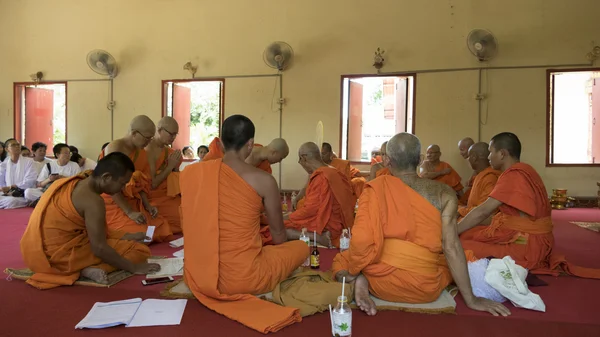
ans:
x=39 y=165
x=28 y=175
x=69 y=170
x=88 y=164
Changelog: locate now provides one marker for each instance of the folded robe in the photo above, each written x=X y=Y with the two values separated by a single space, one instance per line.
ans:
x=329 y=204
x=397 y=244
x=116 y=219
x=165 y=197
x=225 y=261
x=523 y=226
x=55 y=245
x=483 y=184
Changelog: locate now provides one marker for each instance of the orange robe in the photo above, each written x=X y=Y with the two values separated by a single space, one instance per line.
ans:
x=225 y=261
x=483 y=184
x=117 y=220
x=215 y=151
x=397 y=244
x=452 y=179
x=56 y=246
x=166 y=196
x=528 y=239
x=357 y=181
x=383 y=172
x=329 y=204
x=376 y=159
x=465 y=197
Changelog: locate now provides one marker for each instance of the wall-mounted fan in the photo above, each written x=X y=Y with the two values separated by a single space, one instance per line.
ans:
x=102 y=63
x=278 y=55
x=482 y=44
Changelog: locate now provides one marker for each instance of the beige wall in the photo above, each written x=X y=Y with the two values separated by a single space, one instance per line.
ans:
x=152 y=39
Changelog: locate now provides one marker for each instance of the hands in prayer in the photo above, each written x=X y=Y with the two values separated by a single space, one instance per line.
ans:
x=174 y=159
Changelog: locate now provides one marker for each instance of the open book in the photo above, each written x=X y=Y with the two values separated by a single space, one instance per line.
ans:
x=134 y=313
x=168 y=267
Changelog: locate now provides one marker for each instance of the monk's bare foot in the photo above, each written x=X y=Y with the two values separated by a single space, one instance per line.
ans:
x=324 y=239
x=95 y=274
x=361 y=296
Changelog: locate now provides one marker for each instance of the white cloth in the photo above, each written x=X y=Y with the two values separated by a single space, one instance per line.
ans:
x=22 y=173
x=12 y=202
x=68 y=170
x=186 y=163
x=39 y=165
x=33 y=194
x=88 y=164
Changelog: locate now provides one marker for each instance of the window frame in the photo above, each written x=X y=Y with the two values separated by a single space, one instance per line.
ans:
x=550 y=116
x=352 y=76
x=18 y=131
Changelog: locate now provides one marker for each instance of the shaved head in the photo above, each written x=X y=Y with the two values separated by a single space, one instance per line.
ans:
x=383 y=148
x=404 y=152
x=310 y=150
x=480 y=150
x=143 y=124
x=464 y=145
x=167 y=131
x=433 y=153
x=168 y=123
x=280 y=145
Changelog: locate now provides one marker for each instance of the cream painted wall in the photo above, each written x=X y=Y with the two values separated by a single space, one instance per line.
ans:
x=152 y=39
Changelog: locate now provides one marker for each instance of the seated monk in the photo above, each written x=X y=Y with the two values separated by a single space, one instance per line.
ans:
x=435 y=169
x=463 y=147
x=130 y=211
x=485 y=178
x=164 y=165
x=352 y=173
x=225 y=260
x=263 y=157
x=330 y=200
x=378 y=169
x=66 y=236
x=523 y=226
x=404 y=245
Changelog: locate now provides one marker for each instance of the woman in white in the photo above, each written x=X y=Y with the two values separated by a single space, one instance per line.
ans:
x=17 y=173
x=63 y=167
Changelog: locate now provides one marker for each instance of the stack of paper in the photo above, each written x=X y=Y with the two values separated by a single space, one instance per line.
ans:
x=150 y=233
x=133 y=313
x=177 y=243
x=178 y=253
x=168 y=267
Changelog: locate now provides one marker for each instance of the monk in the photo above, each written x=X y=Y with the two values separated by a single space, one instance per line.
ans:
x=164 y=169
x=215 y=150
x=435 y=169
x=66 y=236
x=353 y=174
x=330 y=200
x=379 y=169
x=130 y=210
x=404 y=245
x=523 y=226
x=263 y=157
x=225 y=261
x=485 y=178
x=463 y=147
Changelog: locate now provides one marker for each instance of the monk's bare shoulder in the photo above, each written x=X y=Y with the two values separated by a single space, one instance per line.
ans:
x=116 y=146
x=86 y=200
x=431 y=190
x=257 y=178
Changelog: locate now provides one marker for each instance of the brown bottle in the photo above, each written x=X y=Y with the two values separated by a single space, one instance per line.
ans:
x=314 y=255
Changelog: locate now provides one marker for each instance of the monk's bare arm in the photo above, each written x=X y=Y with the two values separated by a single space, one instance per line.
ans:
x=172 y=165
x=452 y=247
x=425 y=171
x=268 y=190
x=120 y=200
x=478 y=215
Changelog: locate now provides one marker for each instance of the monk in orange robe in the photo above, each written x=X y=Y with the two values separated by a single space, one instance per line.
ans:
x=485 y=178
x=463 y=147
x=164 y=171
x=330 y=200
x=225 y=261
x=263 y=157
x=404 y=245
x=378 y=169
x=130 y=211
x=435 y=169
x=215 y=150
x=353 y=174
x=66 y=236
x=523 y=226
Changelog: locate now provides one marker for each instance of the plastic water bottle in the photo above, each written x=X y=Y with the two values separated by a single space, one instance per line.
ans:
x=284 y=205
x=356 y=207
x=304 y=237
x=342 y=318
x=294 y=197
x=344 y=240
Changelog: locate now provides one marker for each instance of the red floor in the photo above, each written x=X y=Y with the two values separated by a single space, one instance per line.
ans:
x=573 y=305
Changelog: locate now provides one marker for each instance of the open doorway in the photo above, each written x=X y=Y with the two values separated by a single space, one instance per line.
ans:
x=197 y=105
x=374 y=109
x=40 y=113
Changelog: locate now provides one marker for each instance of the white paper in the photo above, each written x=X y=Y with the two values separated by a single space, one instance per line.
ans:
x=178 y=253
x=168 y=267
x=177 y=243
x=107 y=314
x=150 y=233
x=158 y=312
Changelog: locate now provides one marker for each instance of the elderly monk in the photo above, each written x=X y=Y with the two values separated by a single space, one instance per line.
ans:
x=164 y=166
x=353 y=174
x=225 y=261
x=379 y=169
x=329 y=200
x=66 y=236
x=263 y=157
x=523 y=226
x=463 y=147
x=485 y=178
x=435 y=169
x=130 y=210
x=404 y=245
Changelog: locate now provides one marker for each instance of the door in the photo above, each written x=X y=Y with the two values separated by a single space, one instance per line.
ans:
x=39 y=115
x=401 y=106
x=182 y=102
x=355 y=107
x=596 y=121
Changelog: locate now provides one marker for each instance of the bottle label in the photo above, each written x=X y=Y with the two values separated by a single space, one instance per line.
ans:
x=344 y=243
x=342 y=323
x=314 y=260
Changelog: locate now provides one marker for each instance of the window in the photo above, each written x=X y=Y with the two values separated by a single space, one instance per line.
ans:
x=40 y=113
x=197 y=105
x=374 y=109
x=573 y=128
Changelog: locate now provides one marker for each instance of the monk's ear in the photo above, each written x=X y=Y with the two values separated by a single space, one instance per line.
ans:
x=106 y=176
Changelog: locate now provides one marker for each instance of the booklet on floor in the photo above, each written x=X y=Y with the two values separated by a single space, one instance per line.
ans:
x=168 y=267
x=134 y=313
